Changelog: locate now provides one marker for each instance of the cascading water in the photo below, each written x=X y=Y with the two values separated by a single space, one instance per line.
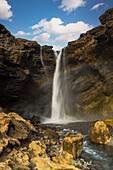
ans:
x=58 y=109
x=61 y=112
x=42 y=60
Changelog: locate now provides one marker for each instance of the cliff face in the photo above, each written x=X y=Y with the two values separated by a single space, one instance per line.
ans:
x=90 y=65
x=90 y=60
x=21 y=70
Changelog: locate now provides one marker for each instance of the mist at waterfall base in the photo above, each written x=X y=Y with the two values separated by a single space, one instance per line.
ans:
x=62 y=107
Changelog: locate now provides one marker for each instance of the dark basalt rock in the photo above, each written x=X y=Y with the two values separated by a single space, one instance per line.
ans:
x=21 y=70
x=90 y=59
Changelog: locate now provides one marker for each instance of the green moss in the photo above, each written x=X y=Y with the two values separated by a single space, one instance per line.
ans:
x=16 y=54
x=35 y=61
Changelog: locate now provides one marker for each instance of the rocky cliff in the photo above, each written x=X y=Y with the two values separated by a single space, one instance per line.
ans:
x=21 y=70
x=90 y=72
x=90 y=61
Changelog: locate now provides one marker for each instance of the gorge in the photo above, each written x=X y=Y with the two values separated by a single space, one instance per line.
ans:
x=68 y=91
x=24 y=85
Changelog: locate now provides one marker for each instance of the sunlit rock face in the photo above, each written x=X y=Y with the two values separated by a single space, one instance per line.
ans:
x=13 y=130
x=100 y=133
x=73 y=144
x=90 y=61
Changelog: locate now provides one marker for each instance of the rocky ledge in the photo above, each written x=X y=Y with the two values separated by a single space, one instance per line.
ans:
x=27 y=146
x=22 y=146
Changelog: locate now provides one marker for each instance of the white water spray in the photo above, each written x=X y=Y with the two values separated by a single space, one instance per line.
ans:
x=60 y=105
x=58 y=109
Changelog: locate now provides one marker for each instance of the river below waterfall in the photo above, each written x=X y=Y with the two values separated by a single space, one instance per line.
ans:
x=101 y=156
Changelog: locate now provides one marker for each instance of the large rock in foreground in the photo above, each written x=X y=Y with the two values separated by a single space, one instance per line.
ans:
x=36 y=152
x=13 y=129
x=100 y=133
x=73 y=145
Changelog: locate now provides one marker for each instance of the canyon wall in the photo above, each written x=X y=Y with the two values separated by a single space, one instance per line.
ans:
x=90 y=61
x=89 y=72
x=21 y=70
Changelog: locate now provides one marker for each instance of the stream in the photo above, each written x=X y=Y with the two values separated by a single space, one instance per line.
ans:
x=101 y=156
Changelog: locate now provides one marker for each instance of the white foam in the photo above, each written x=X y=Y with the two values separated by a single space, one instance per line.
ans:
x=65 y=120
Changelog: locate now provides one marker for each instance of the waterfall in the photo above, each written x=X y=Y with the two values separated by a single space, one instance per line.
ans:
x=58 y=108
x=42 y=60
x=61 y=111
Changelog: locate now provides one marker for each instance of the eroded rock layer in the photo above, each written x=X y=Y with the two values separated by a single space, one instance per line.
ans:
x=21 y=70
x=90 y=59
x=90 y=65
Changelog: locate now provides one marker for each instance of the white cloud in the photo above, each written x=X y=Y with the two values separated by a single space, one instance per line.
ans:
x=51 y=26
x=42 y=38
x=55 y=26
x=36 y=32
x=57 y=48
x=97 y=6
x=64 y=33
x=66 y=37
x=22 y=33
x=70 y=5
x=5 y=10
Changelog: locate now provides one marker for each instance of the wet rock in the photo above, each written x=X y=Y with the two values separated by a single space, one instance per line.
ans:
x=81 y=163
x=73 y=145
x=51 y=134
x=69 y=134
x=35 y=119
x=100 y=133
x=53 y=142
x=36 y=154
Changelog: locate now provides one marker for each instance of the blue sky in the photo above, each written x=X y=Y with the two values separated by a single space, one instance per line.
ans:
x=51 y=22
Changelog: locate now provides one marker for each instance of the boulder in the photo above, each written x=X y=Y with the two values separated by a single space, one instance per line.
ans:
x=22 y=159
x=5 y=120
x=69 y=134
x=33 y=155
x=37 y=148
x=51 y=134
x=100 y=133
x=46 y=163
x=13 y=128
x=17 y=159
x=73 y=144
